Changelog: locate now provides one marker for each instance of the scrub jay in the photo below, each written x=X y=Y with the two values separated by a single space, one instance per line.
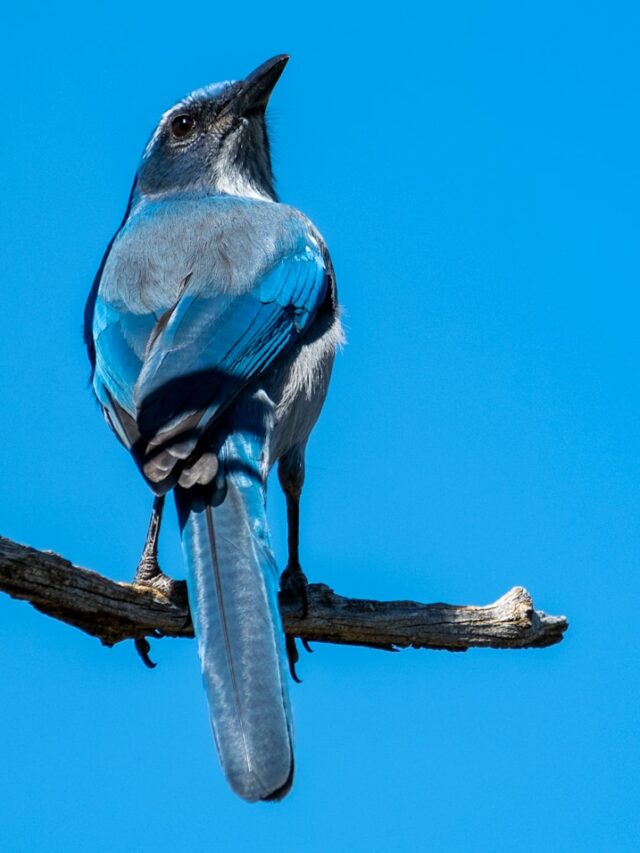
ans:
x=211 y=327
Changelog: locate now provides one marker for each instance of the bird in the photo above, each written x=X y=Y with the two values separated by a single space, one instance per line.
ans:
x=211 y=328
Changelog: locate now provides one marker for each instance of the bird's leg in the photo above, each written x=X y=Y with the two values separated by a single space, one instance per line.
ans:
x=148 y=572
x=293 y=582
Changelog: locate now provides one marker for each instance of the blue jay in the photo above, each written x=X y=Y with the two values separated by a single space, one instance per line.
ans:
x=211 y=327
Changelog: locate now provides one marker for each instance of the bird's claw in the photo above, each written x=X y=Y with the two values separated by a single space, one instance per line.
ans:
x=292 y=656
x=143 y=648
x=293 y=590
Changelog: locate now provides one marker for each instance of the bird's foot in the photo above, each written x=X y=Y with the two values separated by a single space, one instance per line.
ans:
x=293 y=591
x=293 y=588
x=148 y=573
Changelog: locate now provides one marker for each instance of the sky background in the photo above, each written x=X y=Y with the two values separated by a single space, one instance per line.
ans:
x=474 y=169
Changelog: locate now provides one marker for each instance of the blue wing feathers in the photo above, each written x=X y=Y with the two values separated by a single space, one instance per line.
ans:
x=196 y=352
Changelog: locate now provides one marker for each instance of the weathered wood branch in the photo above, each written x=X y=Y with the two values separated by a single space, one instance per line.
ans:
x=113 y=611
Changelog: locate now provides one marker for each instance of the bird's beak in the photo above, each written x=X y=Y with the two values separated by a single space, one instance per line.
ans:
x=255 y=90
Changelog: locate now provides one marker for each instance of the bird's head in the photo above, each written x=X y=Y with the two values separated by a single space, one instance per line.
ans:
x=214 y=140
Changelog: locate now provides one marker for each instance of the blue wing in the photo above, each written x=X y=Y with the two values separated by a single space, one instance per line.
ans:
x=211 y=345
x=164 y=376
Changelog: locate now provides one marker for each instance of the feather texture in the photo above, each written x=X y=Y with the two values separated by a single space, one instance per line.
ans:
x=175 y=356
x=232 y=582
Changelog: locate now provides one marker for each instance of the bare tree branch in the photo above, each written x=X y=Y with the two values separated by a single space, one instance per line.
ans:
x=113 y=611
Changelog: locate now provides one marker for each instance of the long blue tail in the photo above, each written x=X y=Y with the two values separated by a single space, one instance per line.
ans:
x=233 y=582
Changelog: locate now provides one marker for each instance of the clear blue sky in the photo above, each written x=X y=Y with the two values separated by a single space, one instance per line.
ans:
x=474 y=168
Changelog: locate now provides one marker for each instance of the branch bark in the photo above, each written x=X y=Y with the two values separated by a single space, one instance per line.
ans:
x=113 y=611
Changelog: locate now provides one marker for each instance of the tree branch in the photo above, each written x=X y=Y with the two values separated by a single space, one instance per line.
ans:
x=113 y=611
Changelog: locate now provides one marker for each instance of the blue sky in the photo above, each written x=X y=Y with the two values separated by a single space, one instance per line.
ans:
x=474 y=169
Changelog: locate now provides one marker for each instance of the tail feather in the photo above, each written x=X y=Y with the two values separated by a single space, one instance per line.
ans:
x=233 y=582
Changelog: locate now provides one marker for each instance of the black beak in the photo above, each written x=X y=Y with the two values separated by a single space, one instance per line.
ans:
x=255 y=90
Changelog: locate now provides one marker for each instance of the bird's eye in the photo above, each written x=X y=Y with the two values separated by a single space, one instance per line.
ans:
x=182 y=126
